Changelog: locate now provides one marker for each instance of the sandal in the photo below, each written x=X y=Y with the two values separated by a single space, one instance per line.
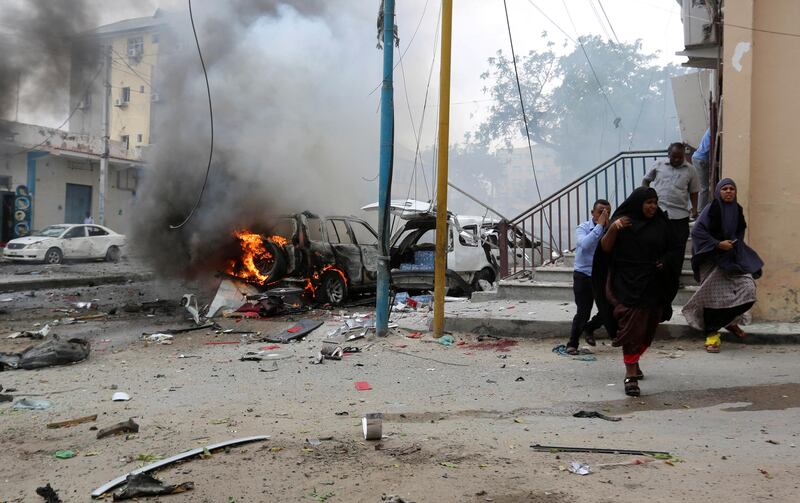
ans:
x=571 y=351
x=713 y=343
x=632 y=386
x=639 y=374
x=590 y=339
x=736 y=330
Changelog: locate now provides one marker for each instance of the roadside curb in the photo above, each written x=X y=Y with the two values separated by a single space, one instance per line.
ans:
x=757 y=333
x=83 y=281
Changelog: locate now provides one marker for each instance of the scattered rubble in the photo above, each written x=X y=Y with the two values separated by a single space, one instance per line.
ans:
x=128 y=426
x=48 y=493
x=52 y=352
x=32 y=404
x=72 y=422
x=143 y=485
x=299 y=330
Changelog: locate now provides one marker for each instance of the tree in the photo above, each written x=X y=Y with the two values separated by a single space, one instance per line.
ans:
x=585 y=111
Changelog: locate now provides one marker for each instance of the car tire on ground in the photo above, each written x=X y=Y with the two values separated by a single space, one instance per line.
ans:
x=53 y=256
x=274 y=268
x=113 y=254
x=333 y=288
x=485 y=274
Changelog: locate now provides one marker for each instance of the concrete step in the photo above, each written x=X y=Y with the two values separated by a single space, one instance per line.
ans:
x=553 y=318
x=558 y=274
x=568 y=260
x=558 y=290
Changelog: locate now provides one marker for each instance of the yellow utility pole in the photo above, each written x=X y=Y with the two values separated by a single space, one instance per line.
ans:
x=442 y=232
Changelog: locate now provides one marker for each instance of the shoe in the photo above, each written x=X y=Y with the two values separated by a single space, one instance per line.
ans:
x=713 y=343
x=590 y=339
x=632 y=386
x=571 y=351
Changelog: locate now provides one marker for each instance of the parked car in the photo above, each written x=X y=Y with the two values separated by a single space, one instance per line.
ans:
x=57 y=243
x=469 y=257
x=331 y=256
x=520 y=246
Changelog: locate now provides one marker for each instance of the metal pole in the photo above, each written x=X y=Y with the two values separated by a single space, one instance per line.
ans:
x=101 y=204
x=478 y=201
x=442 y=232
x=16 y=114
x=386 y=158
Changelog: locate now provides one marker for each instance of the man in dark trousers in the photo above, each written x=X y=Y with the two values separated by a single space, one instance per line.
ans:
x=587 y=236
x=676 y=183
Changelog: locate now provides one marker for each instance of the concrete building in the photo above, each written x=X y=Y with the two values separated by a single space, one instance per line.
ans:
x=749 y=47
x=132 y=48
x=60 y=170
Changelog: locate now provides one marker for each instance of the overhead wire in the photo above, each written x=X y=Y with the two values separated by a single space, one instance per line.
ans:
x=525 y=119
x=121 y=58
x=211 y=120
x=71 y=114
x=599 y=19
x=600 y=2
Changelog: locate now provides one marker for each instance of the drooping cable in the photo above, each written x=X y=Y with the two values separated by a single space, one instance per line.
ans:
x=600 y=2
x=211 y=119
x=525 y=119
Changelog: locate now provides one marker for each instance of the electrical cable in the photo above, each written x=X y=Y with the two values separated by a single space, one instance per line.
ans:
x=600 y=2
x=599 y=19
x=211 y=118
x=121 y=58
x=525 y=119
x=56 y=130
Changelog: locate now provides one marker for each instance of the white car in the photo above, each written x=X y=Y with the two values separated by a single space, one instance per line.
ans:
x=56 y=243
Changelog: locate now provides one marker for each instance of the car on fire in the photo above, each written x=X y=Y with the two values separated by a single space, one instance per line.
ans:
x=330 y=257
x=56 y=243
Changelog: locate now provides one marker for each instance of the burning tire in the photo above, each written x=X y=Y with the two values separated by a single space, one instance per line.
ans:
x=333 y=288
x=272 y=264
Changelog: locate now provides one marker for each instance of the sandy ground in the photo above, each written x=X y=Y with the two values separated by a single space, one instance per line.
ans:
x=458 y=424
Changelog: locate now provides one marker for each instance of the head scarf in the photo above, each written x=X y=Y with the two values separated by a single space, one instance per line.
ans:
x=632 y=208
x=721 y=221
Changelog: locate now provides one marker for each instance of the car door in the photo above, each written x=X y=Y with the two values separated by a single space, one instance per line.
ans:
x=348 y=254
x=367 y=241
x=75 y=242
x=99 y=240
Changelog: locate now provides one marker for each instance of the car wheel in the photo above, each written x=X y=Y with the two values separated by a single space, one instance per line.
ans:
x=273 y=265
x=113 y=254
x=484 y=274
x=333 y=289
x=53 y=256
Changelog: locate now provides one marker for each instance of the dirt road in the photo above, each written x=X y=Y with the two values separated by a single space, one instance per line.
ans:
x=458 y=426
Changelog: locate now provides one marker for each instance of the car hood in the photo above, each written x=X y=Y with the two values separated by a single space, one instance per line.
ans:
x=29 y=240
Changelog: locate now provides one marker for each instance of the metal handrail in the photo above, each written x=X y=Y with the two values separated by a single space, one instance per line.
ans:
x=560 y=212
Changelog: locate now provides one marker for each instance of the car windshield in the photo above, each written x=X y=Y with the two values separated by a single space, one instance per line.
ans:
x=52 y=232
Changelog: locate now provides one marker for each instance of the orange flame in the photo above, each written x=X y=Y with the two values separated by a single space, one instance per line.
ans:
x=253 y=249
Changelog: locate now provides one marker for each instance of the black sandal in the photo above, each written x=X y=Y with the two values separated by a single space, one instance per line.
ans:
x=571 y=351
x=590 y=338
x=632 y=386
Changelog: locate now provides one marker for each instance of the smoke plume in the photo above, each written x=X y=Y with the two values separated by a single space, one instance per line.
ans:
x=39 y=38
x=295 y=127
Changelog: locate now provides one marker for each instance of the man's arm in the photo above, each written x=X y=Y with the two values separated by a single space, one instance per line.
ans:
x=694 y=188
x=587 y=240
x=693 y=198
x=649 y=177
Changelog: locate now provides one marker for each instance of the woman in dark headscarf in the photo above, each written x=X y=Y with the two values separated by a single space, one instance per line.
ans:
x=725 y=267
x=634 y=278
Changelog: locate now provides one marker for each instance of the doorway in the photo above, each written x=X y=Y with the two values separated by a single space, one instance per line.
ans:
x=78 y=204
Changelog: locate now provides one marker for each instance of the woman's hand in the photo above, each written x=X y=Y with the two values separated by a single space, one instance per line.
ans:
x=621 y=223
x=725 y=245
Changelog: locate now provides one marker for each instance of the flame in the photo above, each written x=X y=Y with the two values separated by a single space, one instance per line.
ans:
x=253 y=249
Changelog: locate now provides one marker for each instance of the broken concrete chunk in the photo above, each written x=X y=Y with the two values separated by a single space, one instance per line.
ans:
x=143 y=485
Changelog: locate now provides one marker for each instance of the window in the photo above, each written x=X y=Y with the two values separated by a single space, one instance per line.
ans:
x=76 y=232
x=141 y=89
x=125 y=97
x=96 y=231
x=337 y=232
x=364 y=235
x=5 y=182
x=125 y=139
x=139 y=138
x=314 y=226
x=135 y=47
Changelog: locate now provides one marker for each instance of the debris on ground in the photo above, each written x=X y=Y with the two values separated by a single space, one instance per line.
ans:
x=363 y=386
x=500 y=345
x=39 y=334
x=32 y=404
x=120 y=396
x=391 y=498
x=128 y=426
x=372 y=426
x=159 y=338
x=231 y=294
x=65 y=454
x=300 y=329
x=579 y=468
x=48 y=493
x=189 y=302
x=100 y=491
x=446 y=340
x=633 y=452
x=143 y=485
x=52 y=352
x=595 y=414
x=72 y=422
x=561 y=350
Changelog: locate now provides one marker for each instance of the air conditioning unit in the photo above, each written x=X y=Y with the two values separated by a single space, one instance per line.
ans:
x=133 y=53
x=119 y=102
x=154 y=97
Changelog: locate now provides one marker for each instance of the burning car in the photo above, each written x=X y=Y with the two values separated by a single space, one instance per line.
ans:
x=330 y=257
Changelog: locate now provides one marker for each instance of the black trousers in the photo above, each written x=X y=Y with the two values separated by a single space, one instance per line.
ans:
x=584 y=299
x=681 y=229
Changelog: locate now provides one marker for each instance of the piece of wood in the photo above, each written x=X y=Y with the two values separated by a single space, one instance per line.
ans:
x=72 y=422
x=124 y=427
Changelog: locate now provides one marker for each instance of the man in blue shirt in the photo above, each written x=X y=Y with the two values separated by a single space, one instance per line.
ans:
x=587 y=236
x=700 y=160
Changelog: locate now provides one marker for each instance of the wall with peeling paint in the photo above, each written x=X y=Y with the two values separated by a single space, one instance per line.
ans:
x=760 y=149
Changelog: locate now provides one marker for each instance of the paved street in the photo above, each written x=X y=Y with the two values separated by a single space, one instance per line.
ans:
x=458 y=424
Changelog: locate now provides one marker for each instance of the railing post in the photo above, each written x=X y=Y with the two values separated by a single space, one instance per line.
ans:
x=502 y=243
